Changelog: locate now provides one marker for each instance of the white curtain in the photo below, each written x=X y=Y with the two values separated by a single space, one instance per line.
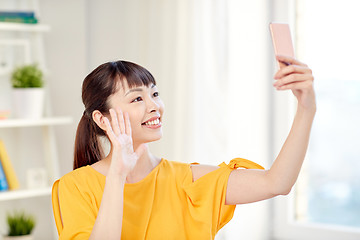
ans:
x=231 y=95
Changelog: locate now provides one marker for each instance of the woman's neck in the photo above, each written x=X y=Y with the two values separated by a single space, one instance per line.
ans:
x=145 y=164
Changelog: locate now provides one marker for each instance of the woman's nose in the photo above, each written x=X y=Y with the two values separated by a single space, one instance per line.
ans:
x=152 y=106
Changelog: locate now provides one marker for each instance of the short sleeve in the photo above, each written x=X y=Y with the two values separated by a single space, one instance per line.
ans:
x=206 y=196
x=76 y=210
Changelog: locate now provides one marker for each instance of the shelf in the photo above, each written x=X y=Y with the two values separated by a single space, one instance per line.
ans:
x=23 y=27
x=24 y=193
x=8 y=123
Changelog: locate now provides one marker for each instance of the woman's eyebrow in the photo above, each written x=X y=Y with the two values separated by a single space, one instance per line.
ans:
x=138 y=89
x=134 y=90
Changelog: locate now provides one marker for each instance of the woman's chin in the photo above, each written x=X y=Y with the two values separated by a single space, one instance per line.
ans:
x=155 y=139
x=150 y=139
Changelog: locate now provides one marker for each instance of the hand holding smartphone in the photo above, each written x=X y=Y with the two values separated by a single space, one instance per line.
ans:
x=281 y=38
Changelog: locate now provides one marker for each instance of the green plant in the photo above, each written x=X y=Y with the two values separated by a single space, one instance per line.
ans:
x=27 y=76
x=20 y=223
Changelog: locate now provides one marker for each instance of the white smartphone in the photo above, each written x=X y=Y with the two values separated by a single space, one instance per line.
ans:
x=281 y=38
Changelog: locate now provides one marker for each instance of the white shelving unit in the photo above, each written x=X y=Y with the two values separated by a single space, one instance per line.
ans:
x=46 y=127
x=22 y=27
x=48 y=136
x=30 y=36
x=13 y=123
x=24 y=193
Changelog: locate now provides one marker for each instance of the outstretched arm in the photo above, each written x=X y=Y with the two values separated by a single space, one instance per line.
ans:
x=246 y=186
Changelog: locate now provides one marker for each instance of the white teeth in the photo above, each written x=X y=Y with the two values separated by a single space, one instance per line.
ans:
x=154 y=122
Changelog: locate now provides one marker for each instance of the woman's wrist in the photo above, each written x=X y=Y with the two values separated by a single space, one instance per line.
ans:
x=116 y=178
x=308 y=110
x=305 y=116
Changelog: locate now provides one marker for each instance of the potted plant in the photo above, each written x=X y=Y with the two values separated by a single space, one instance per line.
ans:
x=20 y=226
x=28 y=92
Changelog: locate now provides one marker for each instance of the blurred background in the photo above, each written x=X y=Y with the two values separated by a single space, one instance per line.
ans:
x=214 y=64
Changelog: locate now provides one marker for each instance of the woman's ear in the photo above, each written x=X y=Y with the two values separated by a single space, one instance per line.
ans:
x=99 y=119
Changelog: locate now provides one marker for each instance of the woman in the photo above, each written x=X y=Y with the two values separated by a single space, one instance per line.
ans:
x=132 y=194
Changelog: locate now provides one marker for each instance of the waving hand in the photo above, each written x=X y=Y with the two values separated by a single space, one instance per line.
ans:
x=124 y=158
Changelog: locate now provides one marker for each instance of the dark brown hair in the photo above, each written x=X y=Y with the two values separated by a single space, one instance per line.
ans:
x=97 y=87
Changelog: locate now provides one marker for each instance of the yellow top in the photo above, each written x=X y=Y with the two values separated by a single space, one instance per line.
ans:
x=166 y=204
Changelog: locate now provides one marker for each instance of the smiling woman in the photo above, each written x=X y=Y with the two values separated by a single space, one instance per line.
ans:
x=129 y=193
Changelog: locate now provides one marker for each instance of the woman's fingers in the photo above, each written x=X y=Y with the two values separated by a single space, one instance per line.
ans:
x=291 y=69
x=297 y=72
x=120 y=122
x=303 y=85
x=114 y=122
x=127 y=124
x=109 y=130
x=289 y=76
x=296 y=77
x=289 y=60
x=120 y=118
x=119 y=126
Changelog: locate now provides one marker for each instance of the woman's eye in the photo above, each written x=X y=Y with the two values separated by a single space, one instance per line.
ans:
x=156 y=94
x=138 y=99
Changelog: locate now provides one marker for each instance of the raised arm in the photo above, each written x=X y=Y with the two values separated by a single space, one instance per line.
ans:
x=108 y=223
x=246 y=186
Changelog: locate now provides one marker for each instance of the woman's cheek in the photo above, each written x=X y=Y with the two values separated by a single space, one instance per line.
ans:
x=133 y=125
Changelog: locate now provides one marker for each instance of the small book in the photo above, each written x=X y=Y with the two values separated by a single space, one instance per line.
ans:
x=18 y=17
x=3 y=182
x=9 y=171
x=18 y=20
x=17 y=14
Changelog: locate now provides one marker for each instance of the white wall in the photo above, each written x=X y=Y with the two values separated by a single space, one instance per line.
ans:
x=66 y=53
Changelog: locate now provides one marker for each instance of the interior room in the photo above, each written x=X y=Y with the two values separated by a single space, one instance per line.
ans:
x=214 y=65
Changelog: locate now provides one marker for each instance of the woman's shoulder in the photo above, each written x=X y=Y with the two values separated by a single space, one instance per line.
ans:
x=174 y=168
x=194 y=169
x=80 y=176
x=174 y=163
x=77 y=172
x=80 y=186
x=177 y=165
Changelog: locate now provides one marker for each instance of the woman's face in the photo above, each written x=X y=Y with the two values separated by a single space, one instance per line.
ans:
x=145 y=109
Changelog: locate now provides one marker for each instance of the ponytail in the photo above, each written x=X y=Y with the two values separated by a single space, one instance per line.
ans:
x=87 y=148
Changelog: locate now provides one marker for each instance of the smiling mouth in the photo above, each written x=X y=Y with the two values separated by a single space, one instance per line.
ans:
x=155 y=122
